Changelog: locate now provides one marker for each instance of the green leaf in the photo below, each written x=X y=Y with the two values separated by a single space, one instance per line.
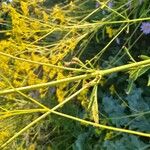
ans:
x=93 y=105
x=130 y=86
x=95 y=111
x=80 y=142
x=136 y=102
x=114 y=110
x=144 y=57
x=133 y=75
x=126 y=142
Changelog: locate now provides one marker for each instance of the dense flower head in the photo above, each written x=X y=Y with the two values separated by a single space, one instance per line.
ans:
x=97 y=5
x=110 y=4
x=145 y=27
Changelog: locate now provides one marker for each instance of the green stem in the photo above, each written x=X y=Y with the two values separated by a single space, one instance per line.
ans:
x=23 y=111
x=80 y=77
x=101 y=126
x=4 y=115
x=52 y=83
x=108 y=22
x=125 y=67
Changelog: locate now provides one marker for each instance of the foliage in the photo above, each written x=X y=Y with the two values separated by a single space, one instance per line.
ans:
x=66 y=65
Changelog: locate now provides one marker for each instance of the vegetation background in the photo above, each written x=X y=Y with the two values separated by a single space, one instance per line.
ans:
x=75 y=75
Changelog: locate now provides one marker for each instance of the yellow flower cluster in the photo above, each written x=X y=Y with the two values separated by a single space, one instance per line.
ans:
x=31 y=26
x=58 y=15
x=4 y=134
x=109 y=135
x=83 y=96
x=24 y=7
x=60 y=91
x=110 y=31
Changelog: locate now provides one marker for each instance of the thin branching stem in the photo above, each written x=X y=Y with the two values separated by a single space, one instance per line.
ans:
x=47 y=113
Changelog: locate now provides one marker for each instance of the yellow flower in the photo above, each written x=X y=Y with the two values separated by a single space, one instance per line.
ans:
x=52 y=73
x=31 y=78
x=43 y=92
x=46 y=69
x=32 y=147
x=112 y=89
x=17 y=83
x=72 y=6
x=61 y=76
x=4 y=59
x=110 y=31
x=45 y=16
x=24 y=7
x=35 y=25
x=36 y=57
x=4 y=135
x=109 y=135
x=15 y=75
x=2 y=84
x=58 y=14
x=60 y=94
x=22 y=66
x=83 y=98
